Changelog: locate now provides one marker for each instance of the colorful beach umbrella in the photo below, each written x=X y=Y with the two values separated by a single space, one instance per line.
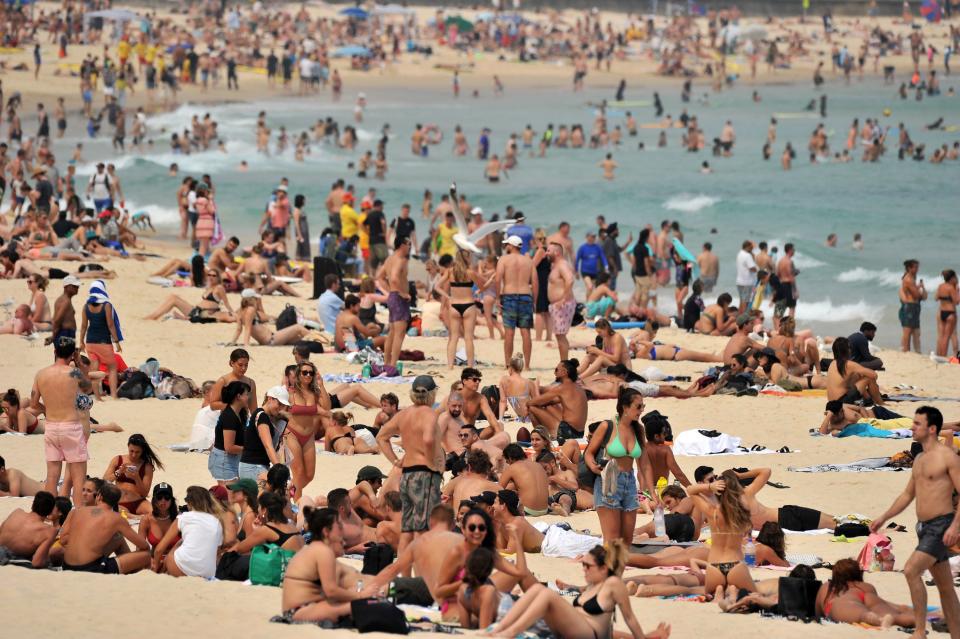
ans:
x=930 y=9
x=354 y=12
x=463 y=25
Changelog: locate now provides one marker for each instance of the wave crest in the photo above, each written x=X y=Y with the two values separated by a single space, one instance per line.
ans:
x=687 y=203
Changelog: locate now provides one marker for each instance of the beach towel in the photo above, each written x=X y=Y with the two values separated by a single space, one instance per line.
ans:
x=909 y=397
x=98 y=295
x=863 y=429
x=701 y=442
x=559 y=541
x=870 y=465
x=347 y=378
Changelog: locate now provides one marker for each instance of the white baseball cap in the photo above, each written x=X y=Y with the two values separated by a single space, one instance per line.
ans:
x=476 y=211
x=514 y=240
x=280 y=394
x=72 y=280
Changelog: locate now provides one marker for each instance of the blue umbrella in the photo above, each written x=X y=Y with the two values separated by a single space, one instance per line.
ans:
x=354 y=12
x=352 y=50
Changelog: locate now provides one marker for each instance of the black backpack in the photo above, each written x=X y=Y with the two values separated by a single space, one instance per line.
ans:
x=376 y=557
x=287 y=317
x=492 y=393
x=136 y=386
x=197 y=266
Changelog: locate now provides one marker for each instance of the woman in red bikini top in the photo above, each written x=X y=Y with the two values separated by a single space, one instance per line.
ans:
x=133 y=474
x=848 y=599
x=154 y=526
x=305 y=414
x=16 y=418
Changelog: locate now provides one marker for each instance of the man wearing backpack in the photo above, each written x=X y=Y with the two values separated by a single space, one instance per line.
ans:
x=100 y=188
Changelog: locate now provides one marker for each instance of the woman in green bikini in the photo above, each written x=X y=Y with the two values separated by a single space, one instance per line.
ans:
x=729 y=519
x=619 y=443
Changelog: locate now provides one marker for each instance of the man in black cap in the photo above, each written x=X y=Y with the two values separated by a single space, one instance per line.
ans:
x=363 y=495
x=423 y=459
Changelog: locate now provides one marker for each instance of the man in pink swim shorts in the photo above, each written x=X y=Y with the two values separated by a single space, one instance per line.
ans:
x=560 y=293
x=65 y=439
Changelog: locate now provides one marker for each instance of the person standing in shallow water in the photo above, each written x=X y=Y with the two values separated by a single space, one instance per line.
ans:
x=911 y=294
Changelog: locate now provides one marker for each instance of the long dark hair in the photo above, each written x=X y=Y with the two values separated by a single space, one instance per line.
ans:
x=841 y=354
x=172 y=512
x=478 y=567
x=319 y=520
x=12 y=397
x=490 y=539
x=232 y=390
x=771 y=534
x=625 y=397
x=845 y=573
x=148 y=456
x=274 y=505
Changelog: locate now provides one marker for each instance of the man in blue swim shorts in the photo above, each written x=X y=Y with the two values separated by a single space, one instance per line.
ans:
x=515 y=281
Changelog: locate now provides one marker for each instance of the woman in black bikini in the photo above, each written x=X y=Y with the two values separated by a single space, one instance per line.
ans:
x=316 y=587
x=948 y=296
x=590 y=615
x=207 y=309
x=339 y=437
x=304 y=425
x=274 y=530
x=729 y=521
x=456 y=284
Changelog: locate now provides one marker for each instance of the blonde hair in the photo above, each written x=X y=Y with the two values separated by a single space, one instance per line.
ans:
x=461 y=267
x=613 y=555
x=342 y=418
x=423 y=397
x=517 y=362
x=788 y=326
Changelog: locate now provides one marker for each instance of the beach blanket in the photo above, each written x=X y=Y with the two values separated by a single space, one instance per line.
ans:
x=863 y=429
x=348 y=378
x=701 y=442
x=910 y=397
x=869 y=465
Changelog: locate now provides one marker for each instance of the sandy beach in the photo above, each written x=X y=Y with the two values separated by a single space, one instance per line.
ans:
x=196 y=606
x=40 y=604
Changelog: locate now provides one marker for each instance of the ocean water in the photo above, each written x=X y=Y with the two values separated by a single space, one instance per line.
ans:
x=904 y=209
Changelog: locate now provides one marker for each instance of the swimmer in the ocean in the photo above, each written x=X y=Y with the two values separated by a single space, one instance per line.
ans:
x=608 y=165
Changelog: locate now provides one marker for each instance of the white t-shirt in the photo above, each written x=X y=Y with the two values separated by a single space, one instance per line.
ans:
x=746 y=269
x=202 y=535
x=100 y=182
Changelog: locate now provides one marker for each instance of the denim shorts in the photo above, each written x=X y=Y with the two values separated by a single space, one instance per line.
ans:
x=624 y=497
x=517 y=310
x=223 y=467
x=250 y=471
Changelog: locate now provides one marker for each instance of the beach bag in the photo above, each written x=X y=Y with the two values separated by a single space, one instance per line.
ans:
x=585 y=476
x=378 y=615
x=378 y=370
x=798 y=597
x=196 y=317
x=197 y=266
x=268 y=563
x=376 y=557
x=876 y=554
x=287 y=317
x=136 y=386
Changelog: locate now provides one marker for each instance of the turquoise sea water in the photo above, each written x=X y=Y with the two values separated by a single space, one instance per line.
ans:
x=903 y=209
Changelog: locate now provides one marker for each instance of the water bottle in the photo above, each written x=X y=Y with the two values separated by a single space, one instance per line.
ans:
x=366 y=371
x=400 y=368
x=359 y=585
x=749 y=552
x=659 y=527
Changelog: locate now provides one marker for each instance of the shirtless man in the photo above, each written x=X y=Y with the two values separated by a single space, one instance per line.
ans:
x=560 y=293
x=27 y=534
x=740 y=342
x=14 y=483
x=65 y=438
x=562 y=408
x=797 y=518
x=356 y=534
x=528 y=478
x=350 y=334
x=709 y=265
x=727 y=139
x=612 y=352
x=423 y=463
x=476 y=404
x=392 y=277
x=450 y=422
x=389 y=406
x=334 y=203
x=562 y=237
x=911 y=294
x=608 y=164
x=837 y=416
x=517 y=283
x=425 y=556
x=493 y=168
x=506 y=512
x=563 y=486
x=222 y=260
x=787 y=295
x=472 y=481
x=607 y=386
x=661 y=456
x=470 y=440
x=92 y=534
x=935 y=479
x=64 y=321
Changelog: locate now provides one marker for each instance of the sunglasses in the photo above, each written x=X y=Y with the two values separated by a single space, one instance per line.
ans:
x=710 y=479
x=307 y=373
x=587 y=564
x=463 y=435
x=477 y=528
x=213 y=273
x=473 y=379
x=163 y=498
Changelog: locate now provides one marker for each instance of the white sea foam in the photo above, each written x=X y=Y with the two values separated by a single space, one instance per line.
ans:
x=884 y=277
x=687 y=203
x=826 y=311
x=805 y=261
